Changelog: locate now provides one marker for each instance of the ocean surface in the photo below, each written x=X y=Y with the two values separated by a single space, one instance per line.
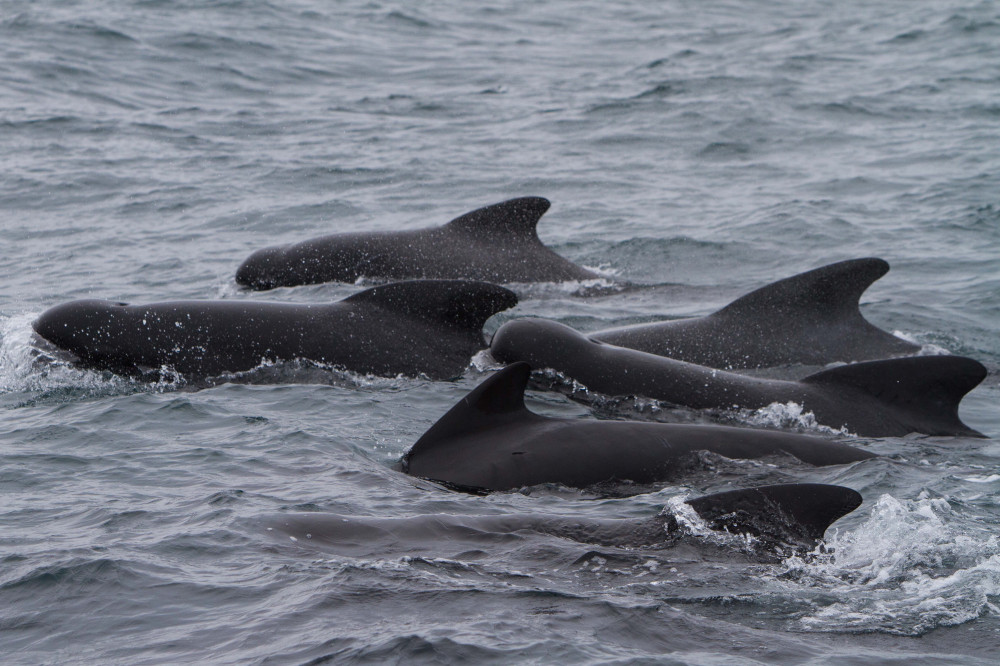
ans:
x=693 y=151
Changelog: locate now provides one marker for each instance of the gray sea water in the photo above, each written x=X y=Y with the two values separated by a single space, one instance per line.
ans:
x=702 y=149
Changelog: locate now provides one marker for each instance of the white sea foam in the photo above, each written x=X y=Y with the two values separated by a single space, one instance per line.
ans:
x=990 y=478
x=16 y=359
x=21 y=369
x=483 y=361
x=786 y=415
x=306 y=371
x=691 y=523
x=926 y=348
x=929 y=349
x=604 y=270
x=593 y=286
x=906 y=570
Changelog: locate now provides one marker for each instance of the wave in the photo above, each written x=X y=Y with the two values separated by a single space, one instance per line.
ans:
x=908 y=569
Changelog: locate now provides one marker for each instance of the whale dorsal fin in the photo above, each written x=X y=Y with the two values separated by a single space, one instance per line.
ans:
x=515 y=218
x=828 y=291
x=797 y=512
x=465 y=304
x=499 y=398
x=929 y=388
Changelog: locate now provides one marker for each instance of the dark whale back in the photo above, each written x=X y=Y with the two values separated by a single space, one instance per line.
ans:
x=429 y=327
x=812 y=318
x=460 y=304
x=489 y=440
x=793 y=515
x=801 y=512
x=928 y=389
x=888 y=398
x=498 y=400
x=496 y=243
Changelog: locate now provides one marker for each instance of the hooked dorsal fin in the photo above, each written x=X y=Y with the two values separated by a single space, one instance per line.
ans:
x=498 y=398
x=832 y=290
x=927 y=388
x=465 y=304
x=789 y=513
x=515 y=218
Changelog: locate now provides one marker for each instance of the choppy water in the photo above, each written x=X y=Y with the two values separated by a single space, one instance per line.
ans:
x=703 y=148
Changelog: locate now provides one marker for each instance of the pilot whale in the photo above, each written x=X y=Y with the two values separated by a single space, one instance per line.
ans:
x=783 y=516
x=811 y=319
x=887 y=398
x=428 y=327
x=497 y=243
x=491 y=441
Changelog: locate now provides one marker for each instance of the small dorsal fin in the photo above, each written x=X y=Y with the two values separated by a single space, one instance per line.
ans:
x=929 y=388
x=790 y=513
x=499 y=397
x=465 y=304
x=515 y=218
x=832 y=290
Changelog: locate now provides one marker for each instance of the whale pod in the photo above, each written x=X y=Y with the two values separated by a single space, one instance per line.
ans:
x=429 y=327
x=887 y=398
x=811 y=318
x=491 y=441
x=497 y=243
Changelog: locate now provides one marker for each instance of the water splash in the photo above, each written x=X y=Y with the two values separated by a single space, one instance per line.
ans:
x=691 y=524
x=307 y=371
x=28 y=366
x=483 y=362
x=26 y=369
x=599 y=286
x=788 y=415
x=911 y=567
x=926 y=348
x=16 y=360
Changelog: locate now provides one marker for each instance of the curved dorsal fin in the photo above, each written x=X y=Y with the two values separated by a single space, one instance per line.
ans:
x=928 y=388
x=465 y=304
x=832 y=290
x=515 y=218
x=796 y=512
x=499 y=397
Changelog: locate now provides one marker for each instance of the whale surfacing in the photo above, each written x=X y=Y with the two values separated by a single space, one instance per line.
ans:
x=497 y=243
x=811 y=319
x=491 y=441
x=887 y=398
x=782 y=518
x=428 y=327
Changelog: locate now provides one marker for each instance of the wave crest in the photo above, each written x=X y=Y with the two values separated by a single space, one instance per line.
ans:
x=905 y=571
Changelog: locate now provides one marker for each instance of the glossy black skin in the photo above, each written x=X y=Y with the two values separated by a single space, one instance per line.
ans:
x=794 y=515
x=490 y=441
x=811 y=319
x=888 y=398
x=497 y=243
x=427 y=328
